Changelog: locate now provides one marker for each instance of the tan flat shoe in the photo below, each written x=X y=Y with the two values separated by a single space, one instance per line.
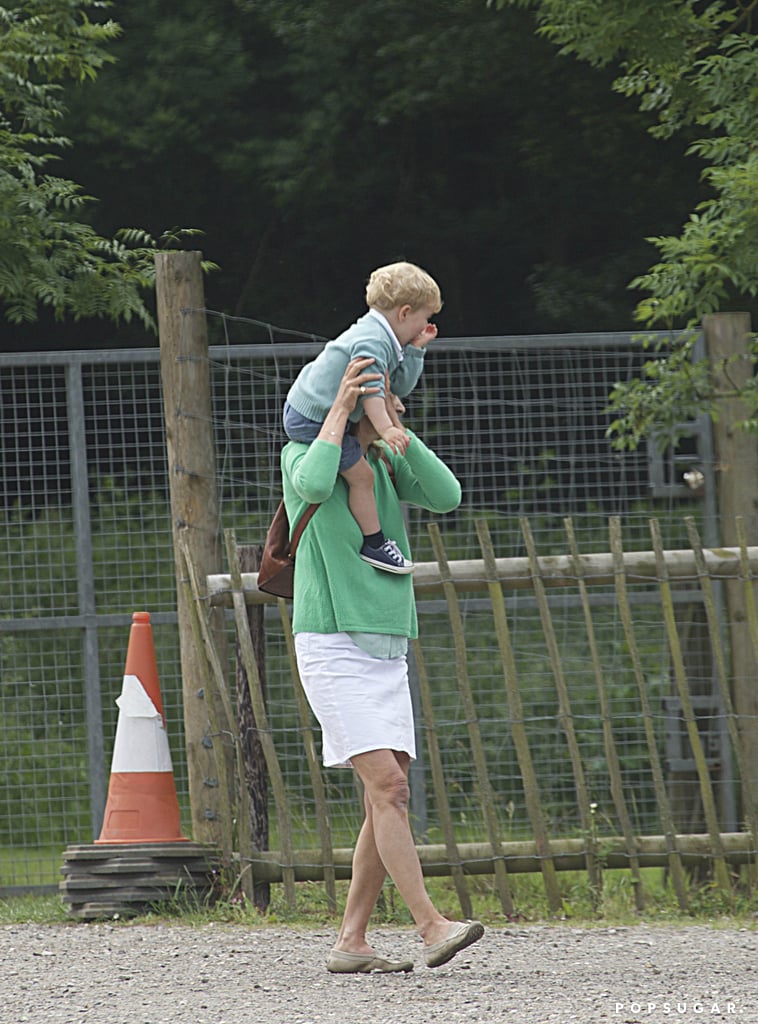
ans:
x=365 y=963
x=459 y=935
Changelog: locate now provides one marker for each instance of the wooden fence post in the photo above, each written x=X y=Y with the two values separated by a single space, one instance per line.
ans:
x=736 y=454
x=253 y=787
x=190 y=443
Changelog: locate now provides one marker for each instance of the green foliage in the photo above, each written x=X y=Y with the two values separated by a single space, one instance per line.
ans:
x=695 y=68
x=49 y=255
x=673 y=389
x=457 y=139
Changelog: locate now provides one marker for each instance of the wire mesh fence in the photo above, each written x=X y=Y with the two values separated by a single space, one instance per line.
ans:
x=87 y=537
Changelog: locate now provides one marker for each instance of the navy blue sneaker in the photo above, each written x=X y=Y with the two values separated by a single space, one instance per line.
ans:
x=388 y=557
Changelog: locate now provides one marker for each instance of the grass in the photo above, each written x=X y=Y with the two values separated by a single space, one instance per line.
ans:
x=29 y=866
x=613 y=906
x=32 y=910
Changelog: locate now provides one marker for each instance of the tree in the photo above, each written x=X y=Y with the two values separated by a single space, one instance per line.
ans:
x=177 y=129
x=49 y=257
x=694 y=66
x=312 y=140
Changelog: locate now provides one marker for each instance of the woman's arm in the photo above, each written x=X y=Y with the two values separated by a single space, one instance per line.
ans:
x=355 y=384
x=423 y=479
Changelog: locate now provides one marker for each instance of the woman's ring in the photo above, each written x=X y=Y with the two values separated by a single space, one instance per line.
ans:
x=363 y=389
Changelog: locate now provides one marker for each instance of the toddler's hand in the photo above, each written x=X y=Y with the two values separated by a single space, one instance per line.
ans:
x=397 y=439
x=424 y=337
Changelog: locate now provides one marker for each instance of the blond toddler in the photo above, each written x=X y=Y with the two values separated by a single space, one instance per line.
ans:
x=395 y=331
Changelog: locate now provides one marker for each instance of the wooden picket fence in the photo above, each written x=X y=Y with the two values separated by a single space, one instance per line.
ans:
x=544 y=853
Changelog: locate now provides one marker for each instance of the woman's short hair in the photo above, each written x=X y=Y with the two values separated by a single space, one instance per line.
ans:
x=400 y=284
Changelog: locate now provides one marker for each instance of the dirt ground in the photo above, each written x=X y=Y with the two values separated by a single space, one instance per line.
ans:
x=229 y=974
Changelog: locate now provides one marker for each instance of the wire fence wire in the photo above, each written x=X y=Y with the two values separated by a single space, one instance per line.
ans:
x=87 y=536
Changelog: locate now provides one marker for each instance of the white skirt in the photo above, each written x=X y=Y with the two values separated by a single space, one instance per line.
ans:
x=362 y=703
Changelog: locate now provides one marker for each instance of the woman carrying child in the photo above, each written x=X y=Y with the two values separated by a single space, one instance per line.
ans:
x=352 y=627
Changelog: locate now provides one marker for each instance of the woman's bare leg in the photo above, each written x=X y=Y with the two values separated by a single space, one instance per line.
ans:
x=368 y=878
x=385 y=846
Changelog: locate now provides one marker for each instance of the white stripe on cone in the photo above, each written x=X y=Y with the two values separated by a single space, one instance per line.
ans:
x=141 y=743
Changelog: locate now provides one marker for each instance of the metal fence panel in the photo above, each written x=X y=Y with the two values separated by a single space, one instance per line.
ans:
x=87 y=540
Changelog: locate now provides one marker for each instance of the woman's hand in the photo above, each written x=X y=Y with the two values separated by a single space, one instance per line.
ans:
x=356 y=384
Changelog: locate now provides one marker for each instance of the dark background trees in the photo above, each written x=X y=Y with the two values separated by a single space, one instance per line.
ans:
x=312 y=141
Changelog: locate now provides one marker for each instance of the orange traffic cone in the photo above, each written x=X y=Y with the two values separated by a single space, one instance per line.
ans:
x=142 y=806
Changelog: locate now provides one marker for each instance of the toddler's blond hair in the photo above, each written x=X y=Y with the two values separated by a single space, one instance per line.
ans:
x=400 y=284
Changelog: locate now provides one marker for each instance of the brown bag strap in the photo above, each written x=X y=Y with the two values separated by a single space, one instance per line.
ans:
x=302 y=522
x=305 y=518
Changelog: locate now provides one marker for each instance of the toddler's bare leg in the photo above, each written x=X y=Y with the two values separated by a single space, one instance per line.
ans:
x=376 y=549
x=361 y=501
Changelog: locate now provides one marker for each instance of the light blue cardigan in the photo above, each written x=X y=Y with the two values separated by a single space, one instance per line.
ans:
x=316 y=386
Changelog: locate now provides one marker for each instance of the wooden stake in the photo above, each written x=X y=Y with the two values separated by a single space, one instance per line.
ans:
x=565 y=714
x=609 y=744
x=664 y=809
x=252 y=774
x=438 y=782
x=518 y=729
x=704 y=776
x=211 y=678
x=314 y=768
x=283 y=816
x=484 y=786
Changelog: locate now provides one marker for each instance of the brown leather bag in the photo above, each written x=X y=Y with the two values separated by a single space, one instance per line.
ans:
x=276 y=574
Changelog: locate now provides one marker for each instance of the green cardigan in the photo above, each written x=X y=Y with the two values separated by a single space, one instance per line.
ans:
x=335 y=590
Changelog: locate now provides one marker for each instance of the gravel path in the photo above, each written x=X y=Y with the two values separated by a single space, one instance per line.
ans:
x=229 y=974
